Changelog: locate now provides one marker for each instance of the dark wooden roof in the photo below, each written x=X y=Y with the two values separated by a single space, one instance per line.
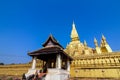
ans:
x=51 y=41
x=50 y=47
x=45 y=50
x=49 y=51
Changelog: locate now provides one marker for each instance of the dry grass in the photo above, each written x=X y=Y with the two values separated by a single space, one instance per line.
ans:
x=9 y=77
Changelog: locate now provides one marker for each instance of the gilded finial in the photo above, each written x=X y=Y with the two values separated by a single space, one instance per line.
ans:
x=95 y=42
x=74 y=34
x=104 y=40
x=103 y=37
x=105 y=45
x=85 y=44
x=73 y=24
x=102 y=43
x=98 y=51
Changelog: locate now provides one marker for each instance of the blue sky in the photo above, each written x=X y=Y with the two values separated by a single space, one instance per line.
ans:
x=26 y=24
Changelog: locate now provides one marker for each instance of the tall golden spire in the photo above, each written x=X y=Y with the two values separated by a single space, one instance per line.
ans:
x=85 y=43
x=74 y=34
x=104 y=39
x=95 y=42
x=98 y=51
x=105 y=45
x=86 y=51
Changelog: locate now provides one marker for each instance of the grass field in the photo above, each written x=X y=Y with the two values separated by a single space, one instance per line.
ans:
x=4 y=77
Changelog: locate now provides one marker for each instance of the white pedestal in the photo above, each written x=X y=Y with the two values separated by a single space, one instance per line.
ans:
x=57 y=74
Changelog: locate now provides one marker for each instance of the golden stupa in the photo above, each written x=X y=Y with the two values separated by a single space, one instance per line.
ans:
x=99 y=62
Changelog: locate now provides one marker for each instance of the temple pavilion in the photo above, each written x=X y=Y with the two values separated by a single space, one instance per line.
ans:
x=56 y=62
